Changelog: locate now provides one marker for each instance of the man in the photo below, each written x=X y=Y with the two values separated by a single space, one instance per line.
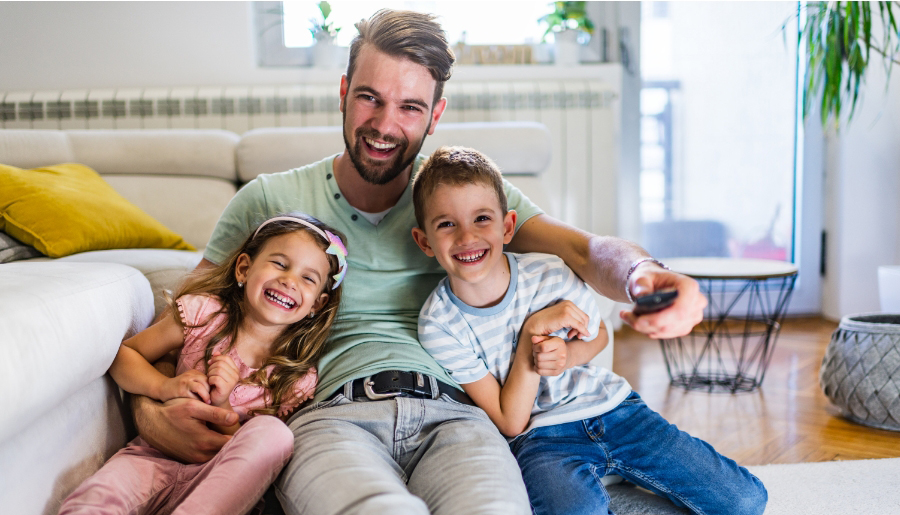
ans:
x=366 y=445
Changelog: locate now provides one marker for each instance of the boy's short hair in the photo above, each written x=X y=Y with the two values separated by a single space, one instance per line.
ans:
x=455 y=166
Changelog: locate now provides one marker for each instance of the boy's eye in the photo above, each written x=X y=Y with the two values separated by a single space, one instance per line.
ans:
x=445 y=224
x=483 y=218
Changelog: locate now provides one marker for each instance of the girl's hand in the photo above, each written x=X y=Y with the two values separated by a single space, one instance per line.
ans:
x=223 y=376
x=191 y=384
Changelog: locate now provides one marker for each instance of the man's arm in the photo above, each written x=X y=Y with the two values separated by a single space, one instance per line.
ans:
x=603 y=263
x=178 y=427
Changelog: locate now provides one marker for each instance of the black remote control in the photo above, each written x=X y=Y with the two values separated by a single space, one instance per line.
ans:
x=654 y=302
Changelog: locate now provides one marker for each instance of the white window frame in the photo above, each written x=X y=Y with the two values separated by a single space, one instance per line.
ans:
x=268 y=19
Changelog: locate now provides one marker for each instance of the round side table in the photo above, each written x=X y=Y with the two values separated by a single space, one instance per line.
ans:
x=730 y=349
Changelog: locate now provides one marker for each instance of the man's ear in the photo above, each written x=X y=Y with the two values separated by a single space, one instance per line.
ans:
x=241 y=267
x=436 y=114
x=345 y=86
x=509 y=226
x=422 y=241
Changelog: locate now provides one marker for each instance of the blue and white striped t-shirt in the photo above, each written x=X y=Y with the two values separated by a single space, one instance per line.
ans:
x=473 y=342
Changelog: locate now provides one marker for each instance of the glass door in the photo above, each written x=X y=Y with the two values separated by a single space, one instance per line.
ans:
x=722 y=153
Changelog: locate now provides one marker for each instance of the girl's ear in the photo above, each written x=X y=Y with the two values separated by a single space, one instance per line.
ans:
x=320 y=302
x=241 y=267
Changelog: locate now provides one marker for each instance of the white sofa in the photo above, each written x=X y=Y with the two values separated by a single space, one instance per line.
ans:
x=61 y=320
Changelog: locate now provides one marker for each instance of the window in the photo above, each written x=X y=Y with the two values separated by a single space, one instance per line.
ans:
x=285 y=38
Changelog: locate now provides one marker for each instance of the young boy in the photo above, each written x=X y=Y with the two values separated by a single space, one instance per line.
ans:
x=571 y=423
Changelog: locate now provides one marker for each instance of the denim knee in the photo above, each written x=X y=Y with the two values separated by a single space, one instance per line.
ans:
x=753 y=499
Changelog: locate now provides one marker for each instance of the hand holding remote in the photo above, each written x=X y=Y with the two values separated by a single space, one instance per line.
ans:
x=655 y=301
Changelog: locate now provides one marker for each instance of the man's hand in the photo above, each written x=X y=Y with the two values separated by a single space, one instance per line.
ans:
x=558 y=316
x=674 y=321
x=178 y=427
x=223 y=376
x=191 y=384
x=550 y=355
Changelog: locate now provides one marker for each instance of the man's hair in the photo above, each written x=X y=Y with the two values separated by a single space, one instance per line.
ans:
x=412 y=35
x=455 y=166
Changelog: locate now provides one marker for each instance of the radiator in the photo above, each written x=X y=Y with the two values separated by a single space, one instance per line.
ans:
x=582 y=116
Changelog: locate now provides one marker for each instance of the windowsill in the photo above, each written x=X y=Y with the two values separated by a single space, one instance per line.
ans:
x=500 y=72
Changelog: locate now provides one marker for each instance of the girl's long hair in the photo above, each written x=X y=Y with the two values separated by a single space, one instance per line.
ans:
x=301 y=344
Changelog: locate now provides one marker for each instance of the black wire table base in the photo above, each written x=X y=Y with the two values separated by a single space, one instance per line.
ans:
x=727 y=352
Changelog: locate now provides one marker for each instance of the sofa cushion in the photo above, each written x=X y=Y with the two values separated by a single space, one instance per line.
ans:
x=69 y=208
x=272 y=150
x=62 y=326
x=164 y=268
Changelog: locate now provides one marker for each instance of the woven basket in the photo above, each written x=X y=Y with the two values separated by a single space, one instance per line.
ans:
x=861 y=369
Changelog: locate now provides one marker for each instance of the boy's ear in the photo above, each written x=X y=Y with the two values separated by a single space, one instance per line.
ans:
x=241 y=267
x=509 y=226
x=422 y=241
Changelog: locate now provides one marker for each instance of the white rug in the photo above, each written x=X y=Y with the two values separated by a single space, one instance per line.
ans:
x=868 y=487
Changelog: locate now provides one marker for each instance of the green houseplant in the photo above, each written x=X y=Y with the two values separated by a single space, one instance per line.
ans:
x=839 y=44
x=567 y=16
x=566 y=22
x=324 y=29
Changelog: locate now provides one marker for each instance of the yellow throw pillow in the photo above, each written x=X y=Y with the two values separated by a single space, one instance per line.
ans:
x=68 y=208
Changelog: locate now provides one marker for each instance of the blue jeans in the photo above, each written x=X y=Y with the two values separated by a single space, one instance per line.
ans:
x=399 y=456
x=562 y=465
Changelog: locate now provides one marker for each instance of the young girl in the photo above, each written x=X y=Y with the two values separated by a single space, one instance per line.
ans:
x=249 y=333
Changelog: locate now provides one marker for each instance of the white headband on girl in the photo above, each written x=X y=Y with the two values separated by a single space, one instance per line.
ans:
x=335 y=245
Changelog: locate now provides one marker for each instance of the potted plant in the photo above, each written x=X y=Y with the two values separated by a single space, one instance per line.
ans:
x=567 y=22
x=839 y=43
x=324 y=32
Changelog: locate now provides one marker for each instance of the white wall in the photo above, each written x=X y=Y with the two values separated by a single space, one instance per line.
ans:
x=863 y=198
x=93 y=45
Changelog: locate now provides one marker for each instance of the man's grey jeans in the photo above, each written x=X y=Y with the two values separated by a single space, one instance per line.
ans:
x=399 y=456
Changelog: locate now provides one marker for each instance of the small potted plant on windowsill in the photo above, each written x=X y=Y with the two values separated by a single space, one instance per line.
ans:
x=567 y=22
x=324 y=32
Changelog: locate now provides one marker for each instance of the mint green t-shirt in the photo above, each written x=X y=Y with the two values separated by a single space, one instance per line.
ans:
x=389 y=276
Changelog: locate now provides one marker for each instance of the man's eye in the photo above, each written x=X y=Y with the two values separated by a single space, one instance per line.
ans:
x=412 y=108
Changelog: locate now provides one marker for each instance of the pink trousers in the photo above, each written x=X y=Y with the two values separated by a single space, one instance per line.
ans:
x=141 y=480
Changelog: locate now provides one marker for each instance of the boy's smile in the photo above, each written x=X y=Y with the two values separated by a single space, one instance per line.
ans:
x=465 y=230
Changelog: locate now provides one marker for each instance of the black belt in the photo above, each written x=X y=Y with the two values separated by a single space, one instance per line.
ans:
x=395 y=383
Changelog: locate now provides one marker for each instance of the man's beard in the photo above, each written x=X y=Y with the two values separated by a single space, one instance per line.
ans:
x=386 y=172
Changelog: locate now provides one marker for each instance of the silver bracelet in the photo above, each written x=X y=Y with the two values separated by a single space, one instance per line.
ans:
x=633 y=268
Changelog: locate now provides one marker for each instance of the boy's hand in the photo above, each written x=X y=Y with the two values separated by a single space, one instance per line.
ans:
x=191 y=384
x=223 y=376
x=558 y=316
x=549 y=354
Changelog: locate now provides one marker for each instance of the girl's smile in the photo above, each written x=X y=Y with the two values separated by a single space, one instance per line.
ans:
x=285 y=281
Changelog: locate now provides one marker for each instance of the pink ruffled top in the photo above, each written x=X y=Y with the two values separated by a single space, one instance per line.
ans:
x=195 y=310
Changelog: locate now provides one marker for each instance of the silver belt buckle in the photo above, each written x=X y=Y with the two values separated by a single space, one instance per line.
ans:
x=370 y=393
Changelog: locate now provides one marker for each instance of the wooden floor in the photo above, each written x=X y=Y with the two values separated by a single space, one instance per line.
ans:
x=787 y=420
